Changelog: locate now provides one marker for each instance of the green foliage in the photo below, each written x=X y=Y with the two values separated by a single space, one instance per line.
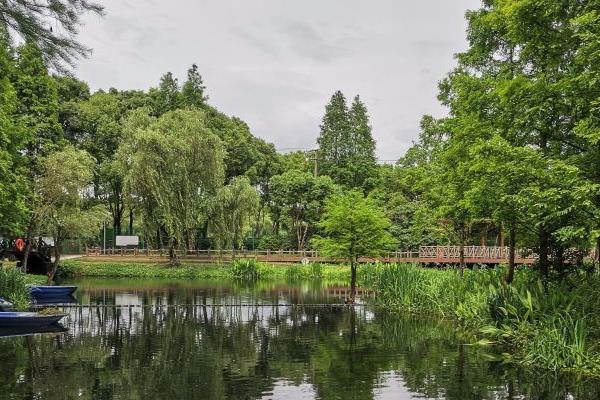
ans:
x=353 y=226
x=239 y=268
x=298 y=198
x=33 y=21
x=231 y=212
x=543 y=326
x=13 y=286
x=59 y=208
x=192 y=91
x=174 y=165
x=246 y=269
x=346 y=145
x=13 y=189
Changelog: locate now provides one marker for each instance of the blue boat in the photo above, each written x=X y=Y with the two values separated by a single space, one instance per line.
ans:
x=45 y=293
x=9 y=319
x=28 y=330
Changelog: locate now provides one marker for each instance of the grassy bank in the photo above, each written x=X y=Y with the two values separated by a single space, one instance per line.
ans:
x=240 y=269
x=554 y=326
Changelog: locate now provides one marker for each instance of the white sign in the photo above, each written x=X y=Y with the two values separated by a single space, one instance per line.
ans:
x=127 y=240
x=48 y=240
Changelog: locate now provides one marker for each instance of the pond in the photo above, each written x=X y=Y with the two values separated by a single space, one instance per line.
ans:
x=152 y=339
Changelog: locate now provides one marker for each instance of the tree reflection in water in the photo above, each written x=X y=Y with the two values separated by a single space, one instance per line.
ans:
x=205 y=352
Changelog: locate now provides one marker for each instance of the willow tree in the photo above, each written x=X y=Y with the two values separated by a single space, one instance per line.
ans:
x=58 y=203
x=173 y=166
x=232 y=210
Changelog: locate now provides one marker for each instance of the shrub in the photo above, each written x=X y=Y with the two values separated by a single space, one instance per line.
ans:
x=13 y=286
x=247 y=269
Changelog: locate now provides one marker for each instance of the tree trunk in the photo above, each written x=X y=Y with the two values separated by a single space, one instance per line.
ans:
x=27 y=246
x=172 y=254
x=544 y=261
x=500 y=236
x=598 y=250
x=512 y=239
x=353 y=280
x=52 y=272
x=461 y=250
x=131 y=221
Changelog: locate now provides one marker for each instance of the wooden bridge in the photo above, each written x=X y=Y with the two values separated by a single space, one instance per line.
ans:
x=425 y=255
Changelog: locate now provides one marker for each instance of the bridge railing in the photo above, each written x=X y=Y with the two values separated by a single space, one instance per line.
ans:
x=424 y=253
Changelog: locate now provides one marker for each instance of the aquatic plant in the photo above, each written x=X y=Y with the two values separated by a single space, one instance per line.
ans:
x=13 y=286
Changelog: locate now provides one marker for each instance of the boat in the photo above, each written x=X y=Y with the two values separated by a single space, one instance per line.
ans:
x=43 y=293
x=10 y=319
x=54 y=300
x=12 y=331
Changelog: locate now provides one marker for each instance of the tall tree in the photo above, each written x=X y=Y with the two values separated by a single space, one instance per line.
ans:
x=37 y=111
x=361 y=161
x=167 y=97
x=300 y=197
x=33 y=22
x=354 y=226
x=173 y=164
x=192 y=91
x=59 y=205
x=13 y=184
x=334 y=139
x=232 y=210
x=38 y=103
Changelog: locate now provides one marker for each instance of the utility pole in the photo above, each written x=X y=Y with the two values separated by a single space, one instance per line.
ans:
x=315 y=159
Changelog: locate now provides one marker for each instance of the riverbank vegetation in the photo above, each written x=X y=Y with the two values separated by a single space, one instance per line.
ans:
x=241 y=269
x=552 y=325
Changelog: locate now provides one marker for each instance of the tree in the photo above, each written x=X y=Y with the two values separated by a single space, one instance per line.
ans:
x=299 y=197
x=361 y=160
x=530 y=76
x=13 y=184
x=59 y=207
x=167 y=97
x=334 y=139
x=353 y=226
x=232 y=210
x=37 y=112
x=346 y=146
x=38 y=103
x=192 y=91
x=174 y=165
x=33 y=22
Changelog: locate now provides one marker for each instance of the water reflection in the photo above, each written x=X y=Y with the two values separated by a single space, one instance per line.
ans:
x=290 y=352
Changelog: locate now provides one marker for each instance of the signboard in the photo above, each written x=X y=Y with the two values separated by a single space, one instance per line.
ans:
x=48 y=240
x=127 y=240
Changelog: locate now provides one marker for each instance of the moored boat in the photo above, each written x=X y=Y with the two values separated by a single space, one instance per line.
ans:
x=28 y=319
x=51 y=292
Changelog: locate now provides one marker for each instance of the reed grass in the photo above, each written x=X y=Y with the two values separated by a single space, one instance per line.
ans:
x=553 y=325
x=13 y=287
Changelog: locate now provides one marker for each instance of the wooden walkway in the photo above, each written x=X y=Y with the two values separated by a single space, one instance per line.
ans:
x=425 y=255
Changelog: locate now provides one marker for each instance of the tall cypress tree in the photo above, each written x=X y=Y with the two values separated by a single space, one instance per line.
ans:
x=346 y=146
x=362 y=161
x=192 y=90
x=167 y=96
x=334 y=140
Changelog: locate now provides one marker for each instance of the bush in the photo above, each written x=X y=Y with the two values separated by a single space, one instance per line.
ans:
x=13 y=286
x=247 y=269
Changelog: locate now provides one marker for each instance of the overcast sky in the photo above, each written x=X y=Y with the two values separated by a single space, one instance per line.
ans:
x=276 y=63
